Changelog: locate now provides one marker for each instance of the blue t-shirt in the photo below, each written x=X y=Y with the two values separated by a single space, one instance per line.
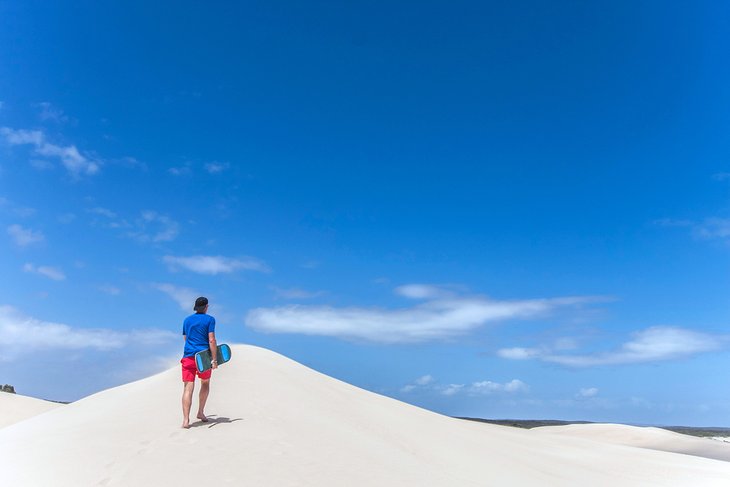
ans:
x=196 y=328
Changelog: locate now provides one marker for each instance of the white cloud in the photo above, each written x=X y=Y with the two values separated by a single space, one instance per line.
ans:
x=50 y=272
x=20 y=334
x=452 y=389
x=25 y=236
x=587 y=392
x=423 y=382
x=518 y=353
x=185 y=297
x=516 y=385
x=21 y=137
x=480 y=388
x=216 y=167
x=214 y=264
x=651 y=345
x=489 y=387
x=437 y=318
x=76 y=163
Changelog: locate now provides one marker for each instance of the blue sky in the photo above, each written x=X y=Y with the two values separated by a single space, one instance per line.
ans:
x=483 y=208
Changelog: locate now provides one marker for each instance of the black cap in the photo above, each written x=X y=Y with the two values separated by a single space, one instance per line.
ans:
x=200 y=303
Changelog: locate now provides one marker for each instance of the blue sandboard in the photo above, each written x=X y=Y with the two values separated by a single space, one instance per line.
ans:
x=203 y=359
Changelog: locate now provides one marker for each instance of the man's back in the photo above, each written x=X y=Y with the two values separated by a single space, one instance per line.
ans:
x=196 y=328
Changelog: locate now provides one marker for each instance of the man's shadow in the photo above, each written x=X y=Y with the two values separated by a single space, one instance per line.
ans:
x=214 y=420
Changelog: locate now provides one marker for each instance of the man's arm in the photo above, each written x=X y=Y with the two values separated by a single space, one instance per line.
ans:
x=213 y=349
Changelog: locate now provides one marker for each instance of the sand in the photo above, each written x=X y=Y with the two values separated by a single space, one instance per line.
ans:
x=15 y=408
x=649 y=438
x=278 y=423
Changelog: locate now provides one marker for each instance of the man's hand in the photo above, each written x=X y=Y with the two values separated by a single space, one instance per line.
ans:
x=214 y=364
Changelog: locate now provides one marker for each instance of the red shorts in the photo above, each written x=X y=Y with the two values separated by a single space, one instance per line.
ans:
x=189 y=370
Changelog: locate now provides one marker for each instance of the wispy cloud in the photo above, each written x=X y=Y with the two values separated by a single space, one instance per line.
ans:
x=427 y=383
x=420 y=383
x=50 y=113
x=53 y=273
x=24 y=237
x=110 y=290
x=587 y=393
x=17 y=210
x=76 y=163
x=721 y=176
x=183 y=296
x=149 y=227
x=489 y=387
x=184 y=170
x=20 y=333
x=653 y=344
x=215 y=264
x=441 y=316
x=154 y=227
x=706 y=229
x=216 y=167
x=711 y=228
x=103 y=212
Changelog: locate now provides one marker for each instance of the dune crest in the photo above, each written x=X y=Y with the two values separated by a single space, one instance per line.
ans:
x=278 y=423
x=15 y=408
x=643 y=437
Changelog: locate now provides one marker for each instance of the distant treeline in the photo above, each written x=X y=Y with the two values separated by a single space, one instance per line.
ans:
x=8 y=388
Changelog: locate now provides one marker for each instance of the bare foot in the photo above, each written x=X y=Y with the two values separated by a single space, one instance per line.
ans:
x=186 y=424
x=202 y=417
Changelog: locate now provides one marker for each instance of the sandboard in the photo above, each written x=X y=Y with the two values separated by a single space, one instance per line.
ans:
x=202 y=359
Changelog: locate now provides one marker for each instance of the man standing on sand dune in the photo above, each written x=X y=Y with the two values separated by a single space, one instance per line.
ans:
x=199 y=335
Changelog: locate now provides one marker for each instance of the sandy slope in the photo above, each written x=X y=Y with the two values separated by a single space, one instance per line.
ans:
x=281 y=424
x=651 y=438
x=15 y=408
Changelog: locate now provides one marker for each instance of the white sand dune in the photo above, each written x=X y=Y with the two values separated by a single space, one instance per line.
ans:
x=281 y=424
x=15 y=408
x=650 y=438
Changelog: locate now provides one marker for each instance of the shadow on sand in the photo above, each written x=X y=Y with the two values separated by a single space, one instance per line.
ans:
x=214 y=420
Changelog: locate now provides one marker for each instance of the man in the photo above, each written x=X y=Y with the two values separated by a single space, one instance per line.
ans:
x=199 y=335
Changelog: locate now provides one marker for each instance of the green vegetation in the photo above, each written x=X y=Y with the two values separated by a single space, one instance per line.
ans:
x=8 y=388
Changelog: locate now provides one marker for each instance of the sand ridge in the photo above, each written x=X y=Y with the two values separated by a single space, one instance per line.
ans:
x=643 y=437
x=15 y=408
x=278 y=423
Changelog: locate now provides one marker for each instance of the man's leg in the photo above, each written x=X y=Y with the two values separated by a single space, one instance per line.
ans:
x=187 y=402
x=204 y=390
